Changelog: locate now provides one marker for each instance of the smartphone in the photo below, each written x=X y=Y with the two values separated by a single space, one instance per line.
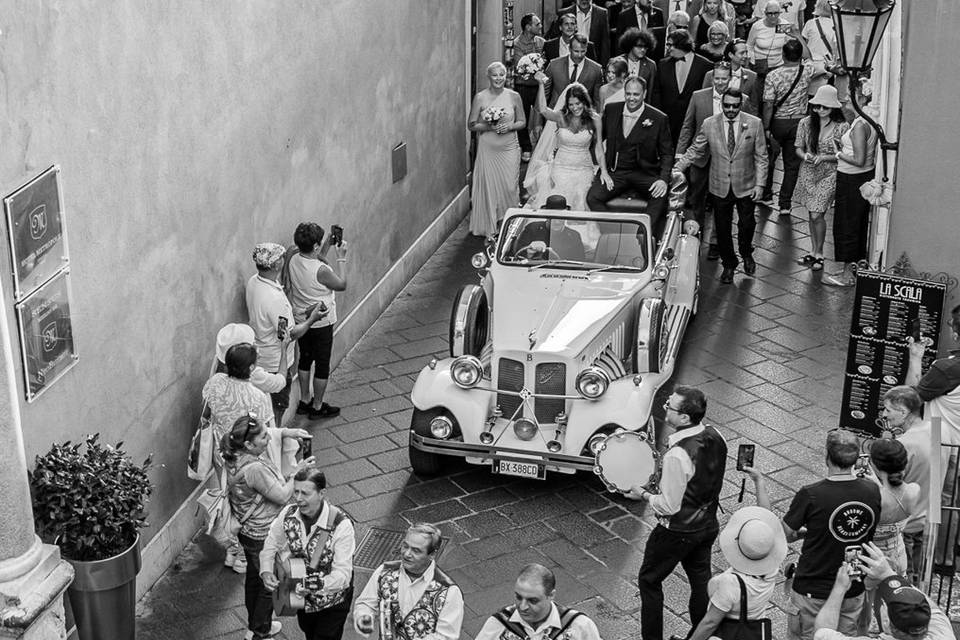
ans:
x=782 y=28
x=851 y=555
x=745 y=456
x=336 y=235
x=862 y=464
x=306 y=448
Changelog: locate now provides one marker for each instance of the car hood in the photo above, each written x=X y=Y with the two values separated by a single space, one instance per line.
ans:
x=552 y=311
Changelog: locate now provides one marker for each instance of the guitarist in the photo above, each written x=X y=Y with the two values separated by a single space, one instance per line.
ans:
x=322 y=536
x=535 y=616
x=411 y=599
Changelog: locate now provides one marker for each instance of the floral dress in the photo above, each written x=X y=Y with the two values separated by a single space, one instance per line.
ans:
x=817 y=184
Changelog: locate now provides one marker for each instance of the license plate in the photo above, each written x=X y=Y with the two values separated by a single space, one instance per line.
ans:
x=520 y=469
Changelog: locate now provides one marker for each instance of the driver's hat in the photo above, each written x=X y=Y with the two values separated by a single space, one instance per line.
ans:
x=555 y=202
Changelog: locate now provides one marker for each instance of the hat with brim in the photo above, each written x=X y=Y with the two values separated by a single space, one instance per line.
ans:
x=753 y=541
x=231 y=334
x=826 y=96
x=555 y=202
x=907 y=607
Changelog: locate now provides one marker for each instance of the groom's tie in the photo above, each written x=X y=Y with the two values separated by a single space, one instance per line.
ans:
x=573 y=74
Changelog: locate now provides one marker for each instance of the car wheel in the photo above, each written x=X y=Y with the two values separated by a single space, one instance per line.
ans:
x=469 y=321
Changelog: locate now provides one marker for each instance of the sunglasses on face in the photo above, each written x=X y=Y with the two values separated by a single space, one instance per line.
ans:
x=730 y=107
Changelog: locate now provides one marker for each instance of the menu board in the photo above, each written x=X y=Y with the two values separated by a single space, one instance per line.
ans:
x=886 y=309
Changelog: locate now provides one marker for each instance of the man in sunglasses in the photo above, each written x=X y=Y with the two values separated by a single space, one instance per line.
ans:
x=691 y=477
x=735 y=143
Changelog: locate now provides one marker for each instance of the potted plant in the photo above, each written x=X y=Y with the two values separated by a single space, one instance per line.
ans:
x=89 y=498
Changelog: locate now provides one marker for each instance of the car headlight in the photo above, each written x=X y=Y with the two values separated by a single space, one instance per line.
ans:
x=466 y=371
x=441 y=427
x=480 y=260
x=592 y=382
x=525 y=429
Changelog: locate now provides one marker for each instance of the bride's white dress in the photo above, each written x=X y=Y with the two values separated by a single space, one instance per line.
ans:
x=571 y=172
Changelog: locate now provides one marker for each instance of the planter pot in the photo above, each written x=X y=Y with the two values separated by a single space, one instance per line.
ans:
x=103 y=596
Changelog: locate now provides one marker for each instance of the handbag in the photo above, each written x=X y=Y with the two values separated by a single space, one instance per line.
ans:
x=742 y=628
x=200 y=454
x=222 y=524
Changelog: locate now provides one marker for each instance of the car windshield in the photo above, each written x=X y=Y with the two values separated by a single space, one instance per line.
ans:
x=574 y=243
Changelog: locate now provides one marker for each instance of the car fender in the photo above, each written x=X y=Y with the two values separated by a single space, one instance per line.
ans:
x=682 y=287
x=625 y=404
x=435 y=388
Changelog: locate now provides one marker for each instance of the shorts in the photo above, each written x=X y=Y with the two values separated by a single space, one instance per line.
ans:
x=281 y=399
x=315 y=347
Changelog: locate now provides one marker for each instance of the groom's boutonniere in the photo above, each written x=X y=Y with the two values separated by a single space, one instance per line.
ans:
x=743 y=126
x=647 y=123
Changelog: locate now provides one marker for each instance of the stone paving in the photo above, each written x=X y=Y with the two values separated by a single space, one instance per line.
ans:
x=768 y=351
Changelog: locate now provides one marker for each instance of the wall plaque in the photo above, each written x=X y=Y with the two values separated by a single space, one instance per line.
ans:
x=46 y=335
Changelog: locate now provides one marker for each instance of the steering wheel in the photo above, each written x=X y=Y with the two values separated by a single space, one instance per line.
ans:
x=537 y=247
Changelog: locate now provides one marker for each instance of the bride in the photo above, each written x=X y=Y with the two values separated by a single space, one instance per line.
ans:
x=561 y=162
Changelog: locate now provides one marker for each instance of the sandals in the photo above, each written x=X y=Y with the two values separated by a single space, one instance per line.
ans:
x=816 y=264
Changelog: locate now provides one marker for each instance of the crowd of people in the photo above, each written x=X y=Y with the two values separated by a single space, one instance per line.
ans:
x=677 y=67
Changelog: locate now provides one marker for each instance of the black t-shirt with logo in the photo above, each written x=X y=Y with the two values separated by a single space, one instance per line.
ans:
x=837 y=514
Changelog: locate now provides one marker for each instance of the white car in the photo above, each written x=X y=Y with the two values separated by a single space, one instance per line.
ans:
x=573 y=329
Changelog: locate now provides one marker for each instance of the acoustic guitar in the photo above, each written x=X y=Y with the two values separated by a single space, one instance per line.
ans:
x=287 y=598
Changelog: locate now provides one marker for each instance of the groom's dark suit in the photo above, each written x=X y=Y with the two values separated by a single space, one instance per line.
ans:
x=635 y=161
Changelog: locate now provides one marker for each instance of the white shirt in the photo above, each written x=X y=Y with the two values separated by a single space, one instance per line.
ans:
x=790 y=11
x=582 y=628
x=409 y=592
x=737 y=127
x=564 y=48
x=583 y=21
x=717 y=107
x=682 y=67
x=630 y=120
x=271 y=317
x=641 y=17
x=938 y=629
x=579 y=68
x=724 y=593
x=676 y=471
x=672 y=6
x=343 y=541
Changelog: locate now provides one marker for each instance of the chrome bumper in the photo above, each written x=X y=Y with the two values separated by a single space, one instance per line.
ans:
x=461 y=449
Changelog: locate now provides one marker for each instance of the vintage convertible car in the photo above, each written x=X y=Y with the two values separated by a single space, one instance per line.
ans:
x=574 y=327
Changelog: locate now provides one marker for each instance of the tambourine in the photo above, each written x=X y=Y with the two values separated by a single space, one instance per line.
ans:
x=626 y=460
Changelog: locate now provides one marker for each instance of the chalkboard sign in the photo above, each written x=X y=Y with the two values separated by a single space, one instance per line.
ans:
x=46 y=335
x=886 y=309
x=35 y=222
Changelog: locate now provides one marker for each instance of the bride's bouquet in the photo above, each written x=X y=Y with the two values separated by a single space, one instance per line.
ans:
x=530 y=64
x=492 y=115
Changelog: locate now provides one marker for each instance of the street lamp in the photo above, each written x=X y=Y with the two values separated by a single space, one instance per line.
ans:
x=860 y=25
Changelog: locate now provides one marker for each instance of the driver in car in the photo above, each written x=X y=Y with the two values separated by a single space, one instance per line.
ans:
x=553 y=239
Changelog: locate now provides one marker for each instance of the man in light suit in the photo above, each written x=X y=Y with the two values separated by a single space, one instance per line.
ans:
x=742 y=79
x=557 y=47
x=576 y=67
x=703 y=104
x=678 y=76
x=737 y=147
x=592 y=22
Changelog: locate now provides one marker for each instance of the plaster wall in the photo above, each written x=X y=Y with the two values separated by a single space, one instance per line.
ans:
x=923 y=221
x=187 y=132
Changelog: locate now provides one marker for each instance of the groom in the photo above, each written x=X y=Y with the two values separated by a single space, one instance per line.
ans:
x=639 y=153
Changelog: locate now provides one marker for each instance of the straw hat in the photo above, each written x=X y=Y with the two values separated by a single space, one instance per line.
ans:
x=826 y=96
x=753 y=541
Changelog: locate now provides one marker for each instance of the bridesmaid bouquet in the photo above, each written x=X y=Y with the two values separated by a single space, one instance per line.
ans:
x=492 y=115
x=530 y=64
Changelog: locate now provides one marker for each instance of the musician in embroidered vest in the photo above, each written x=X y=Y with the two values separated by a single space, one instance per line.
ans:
x=323 y=536
x=411 y=599
x=535 y=616
x=691 y=477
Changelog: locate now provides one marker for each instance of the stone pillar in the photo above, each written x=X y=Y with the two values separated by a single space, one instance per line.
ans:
x=32 y=575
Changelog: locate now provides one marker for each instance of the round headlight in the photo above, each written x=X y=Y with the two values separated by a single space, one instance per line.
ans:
x=691 y=227
x=592 y=382
x=441 y=427
x=479 y=260
x=661 y=271
x=525 y=429
x=466 y=371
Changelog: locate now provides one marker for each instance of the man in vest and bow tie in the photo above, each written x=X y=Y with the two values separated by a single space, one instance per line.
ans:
x=411 y=599
x=691 y=477
x=535 y=616
x=322 y=535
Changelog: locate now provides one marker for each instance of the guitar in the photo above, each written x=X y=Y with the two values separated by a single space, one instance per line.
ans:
x=288 y=597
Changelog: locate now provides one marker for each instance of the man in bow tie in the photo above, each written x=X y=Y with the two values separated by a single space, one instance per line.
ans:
x=639 y=153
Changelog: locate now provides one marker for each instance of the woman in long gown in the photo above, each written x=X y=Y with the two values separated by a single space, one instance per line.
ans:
x=496 y=172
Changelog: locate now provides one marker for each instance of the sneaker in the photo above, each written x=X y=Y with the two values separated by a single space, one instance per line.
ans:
x=325 y=411
x=240 y=564
x=303 y=408
x=275 y=628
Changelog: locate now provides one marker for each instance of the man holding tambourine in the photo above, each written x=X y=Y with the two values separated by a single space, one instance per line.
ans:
x=691 y=477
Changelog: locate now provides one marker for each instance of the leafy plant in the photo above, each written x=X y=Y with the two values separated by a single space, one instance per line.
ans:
x=91 y=499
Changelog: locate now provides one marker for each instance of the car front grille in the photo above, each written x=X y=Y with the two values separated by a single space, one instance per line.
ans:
x=510 y=378
x=551 y=379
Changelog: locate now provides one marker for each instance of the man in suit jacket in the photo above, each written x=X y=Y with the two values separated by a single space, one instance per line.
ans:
x=738 y=150
x=742 y=79
x=703 y=104
x=592 y=22
x=576 y=67
x=646 y=17
x=560 y=46
x=678 y=76
x=691 y=7
x=639 y=154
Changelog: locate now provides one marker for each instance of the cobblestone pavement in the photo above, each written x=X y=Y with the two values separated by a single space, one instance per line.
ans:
x=768 y=351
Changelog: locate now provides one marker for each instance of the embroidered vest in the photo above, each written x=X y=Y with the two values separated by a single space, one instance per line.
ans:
x=321 y=542
x=515 y=631
x=422 y=619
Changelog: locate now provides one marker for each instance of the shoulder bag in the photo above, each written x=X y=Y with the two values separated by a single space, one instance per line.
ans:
x=793 y=85
x=742 y=628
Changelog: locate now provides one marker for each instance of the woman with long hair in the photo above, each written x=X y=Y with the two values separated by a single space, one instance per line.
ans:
x=562 y=163
x=817 y=143
x=258 y=490
x=612 y=91
x=711 y=13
